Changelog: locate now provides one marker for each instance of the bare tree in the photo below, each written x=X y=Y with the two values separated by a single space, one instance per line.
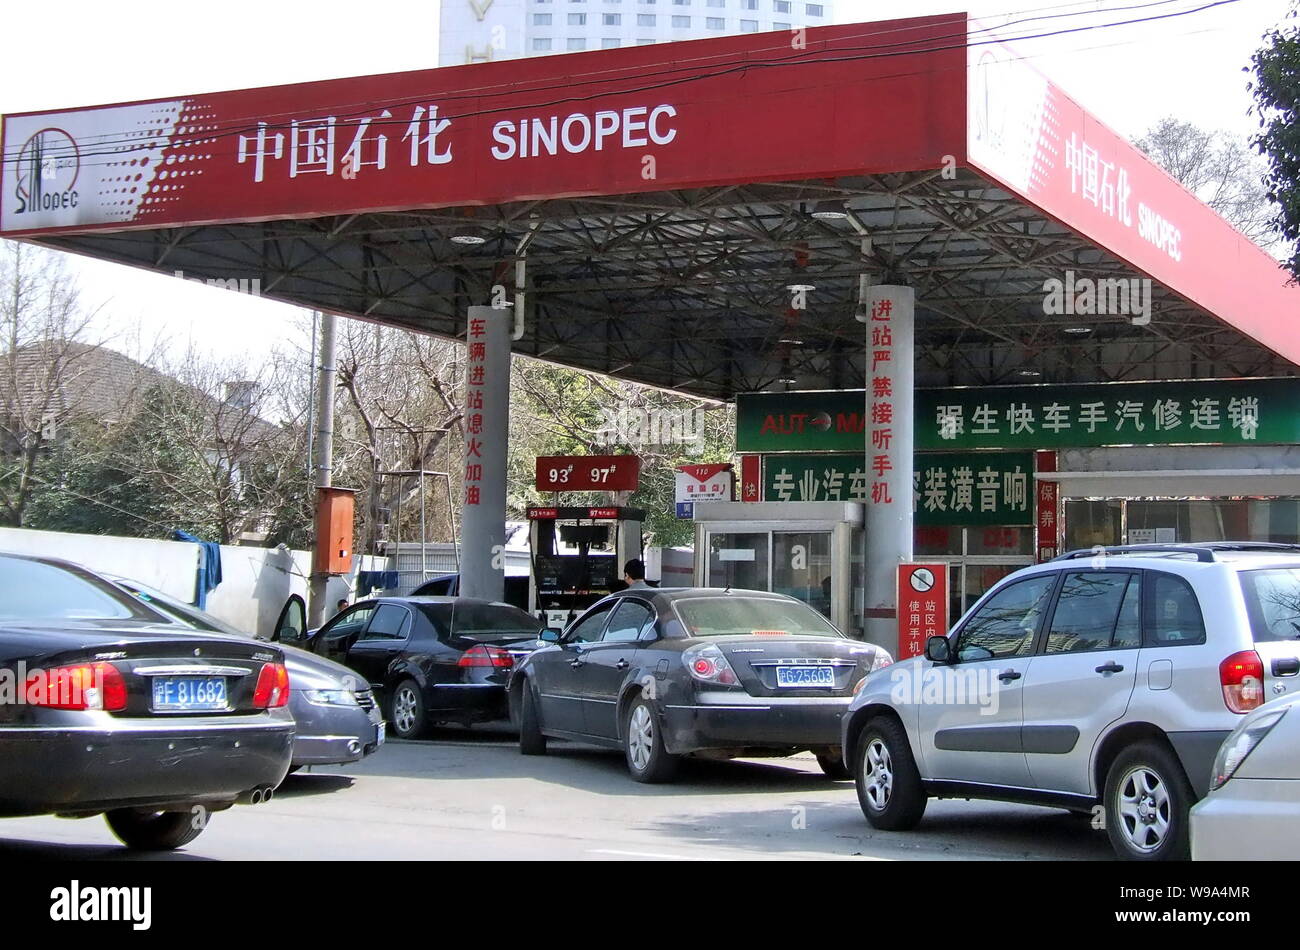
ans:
x=45 y=342
x=1220 y=169
x=402 y=414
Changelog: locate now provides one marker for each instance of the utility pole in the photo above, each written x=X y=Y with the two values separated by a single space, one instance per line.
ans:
x=326 y=376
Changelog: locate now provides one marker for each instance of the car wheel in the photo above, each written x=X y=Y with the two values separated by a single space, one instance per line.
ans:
x=647 y=759
x=407 y=716
x=890 y=790
x=832 y=764
x=531 y=740
x=154 y=830
x=1148 y=799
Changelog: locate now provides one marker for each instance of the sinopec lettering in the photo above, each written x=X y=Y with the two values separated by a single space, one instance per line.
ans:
x=1152 y=227
x=47 y=201
x=535 y=136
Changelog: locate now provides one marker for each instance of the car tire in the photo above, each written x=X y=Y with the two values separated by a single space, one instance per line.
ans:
x=832 y=763
x=407 y=711
x=531 y=739
x=643 y=745
x=154 y=831
x=890 y=791
x=1148 y=803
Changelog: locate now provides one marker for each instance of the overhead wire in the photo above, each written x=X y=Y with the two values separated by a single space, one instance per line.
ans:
x=823 y=55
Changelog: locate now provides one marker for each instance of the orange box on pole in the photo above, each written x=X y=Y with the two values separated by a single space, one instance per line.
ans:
x=335 y=508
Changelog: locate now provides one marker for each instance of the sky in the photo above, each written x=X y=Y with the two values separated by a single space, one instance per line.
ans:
x=1190 y=67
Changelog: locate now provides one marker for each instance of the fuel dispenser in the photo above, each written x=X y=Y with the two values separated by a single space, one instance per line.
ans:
x=578 y=555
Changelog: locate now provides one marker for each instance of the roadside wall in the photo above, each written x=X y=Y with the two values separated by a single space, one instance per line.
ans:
x=256 y=582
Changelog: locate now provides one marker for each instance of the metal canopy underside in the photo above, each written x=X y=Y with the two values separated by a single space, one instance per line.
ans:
x=688 y=290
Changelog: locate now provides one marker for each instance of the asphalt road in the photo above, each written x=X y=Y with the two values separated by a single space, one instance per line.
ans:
x=469 y=794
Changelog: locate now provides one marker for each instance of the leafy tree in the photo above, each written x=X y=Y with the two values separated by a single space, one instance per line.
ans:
x=557 y=411
x=1276 y=87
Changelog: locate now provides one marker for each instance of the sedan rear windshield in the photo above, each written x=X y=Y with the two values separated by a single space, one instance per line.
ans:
x=36 y=591
x=732 y=616
x=1272 y=603
x=481 y=621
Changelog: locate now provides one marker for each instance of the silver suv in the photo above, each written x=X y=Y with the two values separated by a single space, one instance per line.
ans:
x=1104 y=678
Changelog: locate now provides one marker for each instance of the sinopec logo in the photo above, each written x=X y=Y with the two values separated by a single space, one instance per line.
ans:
x=48 y=166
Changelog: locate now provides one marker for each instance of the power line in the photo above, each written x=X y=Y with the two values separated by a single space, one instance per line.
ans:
x=725 y=70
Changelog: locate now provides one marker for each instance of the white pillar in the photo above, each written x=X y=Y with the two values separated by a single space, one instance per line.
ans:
x=487 y=418
x=889 y=378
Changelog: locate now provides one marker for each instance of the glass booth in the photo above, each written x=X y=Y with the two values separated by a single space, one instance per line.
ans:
x=809 y=550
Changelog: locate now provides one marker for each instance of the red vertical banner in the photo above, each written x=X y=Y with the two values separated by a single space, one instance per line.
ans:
x=880 y=402
x=475 y=379
x=1047 y=509
x=922 y=606
x=751 y=478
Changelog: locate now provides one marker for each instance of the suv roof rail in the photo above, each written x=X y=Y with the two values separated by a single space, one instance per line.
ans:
x=1204 y=551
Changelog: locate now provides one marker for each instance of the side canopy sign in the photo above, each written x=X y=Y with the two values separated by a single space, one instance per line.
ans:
x=1206 y=412
x=960 y=488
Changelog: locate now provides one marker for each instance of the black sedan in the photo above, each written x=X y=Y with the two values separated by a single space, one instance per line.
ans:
x=105 y=709
x=662 y=673
x=432 y=659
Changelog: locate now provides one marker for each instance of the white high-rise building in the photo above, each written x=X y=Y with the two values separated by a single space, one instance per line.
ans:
x=474 y=31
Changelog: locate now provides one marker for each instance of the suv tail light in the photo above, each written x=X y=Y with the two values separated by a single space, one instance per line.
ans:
x=1242 y=677
x=272 y=690
x=483 y=655
x=83 y=686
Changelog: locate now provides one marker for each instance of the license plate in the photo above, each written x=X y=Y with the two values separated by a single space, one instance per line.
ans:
x=189 y=694
x=805 y=676
x=381 y=733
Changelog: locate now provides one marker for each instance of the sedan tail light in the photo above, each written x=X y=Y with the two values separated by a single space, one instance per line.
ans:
x=708 y=665
x=83 y=686
x=483 y=655
x=1242 y=678
x=272 y=690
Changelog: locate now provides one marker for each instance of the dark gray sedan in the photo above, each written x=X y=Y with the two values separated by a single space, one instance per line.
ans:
x=336 y=718
x=662 y=673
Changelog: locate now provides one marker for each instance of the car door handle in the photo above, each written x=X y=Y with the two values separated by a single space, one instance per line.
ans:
x=621 y=665
x=1110 y=667
x=1008 y=675
x=579 y=662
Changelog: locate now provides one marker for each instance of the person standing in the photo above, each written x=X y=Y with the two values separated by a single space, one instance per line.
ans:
x=634 y=573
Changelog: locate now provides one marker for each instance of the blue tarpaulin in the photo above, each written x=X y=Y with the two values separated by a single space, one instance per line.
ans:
x=368 y=581
x=209 y=573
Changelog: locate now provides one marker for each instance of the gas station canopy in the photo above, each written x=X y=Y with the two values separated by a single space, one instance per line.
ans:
x=694 y=216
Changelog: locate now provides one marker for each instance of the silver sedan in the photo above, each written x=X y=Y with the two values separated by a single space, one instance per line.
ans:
x=336 y=718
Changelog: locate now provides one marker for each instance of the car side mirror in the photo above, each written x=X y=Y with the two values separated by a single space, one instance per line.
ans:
x=549 y=635
x=938 y=650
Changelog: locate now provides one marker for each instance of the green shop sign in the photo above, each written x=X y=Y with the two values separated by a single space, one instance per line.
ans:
x=958 y=488
x=1213 y=412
